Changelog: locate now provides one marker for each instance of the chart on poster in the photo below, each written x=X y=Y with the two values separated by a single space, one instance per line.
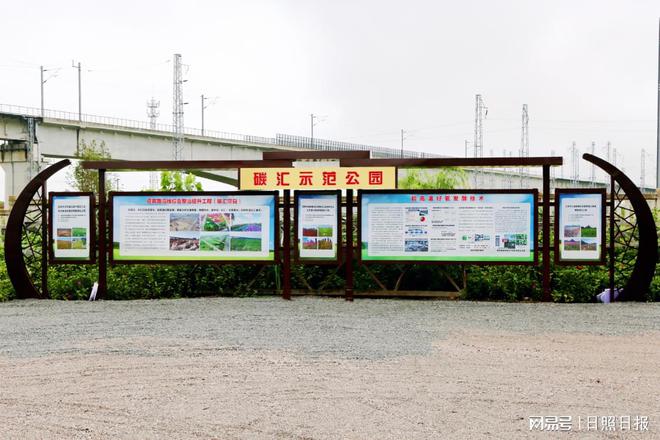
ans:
x=580 y=229
x=203 y=226
x=447 y=226
x=70 y=226
x=317 y=218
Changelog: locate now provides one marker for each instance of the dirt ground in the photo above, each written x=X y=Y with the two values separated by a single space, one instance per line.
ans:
x=254 y=368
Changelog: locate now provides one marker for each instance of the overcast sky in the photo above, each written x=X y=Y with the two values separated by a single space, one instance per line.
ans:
x=586 y=69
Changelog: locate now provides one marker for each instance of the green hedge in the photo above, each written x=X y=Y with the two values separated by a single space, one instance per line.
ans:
x=497 y=283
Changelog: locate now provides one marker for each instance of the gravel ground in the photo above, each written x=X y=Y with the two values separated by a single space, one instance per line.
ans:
x=318 y=368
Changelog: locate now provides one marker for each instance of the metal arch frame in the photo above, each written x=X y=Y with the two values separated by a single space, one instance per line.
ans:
x=14 y=257
x=647 y=250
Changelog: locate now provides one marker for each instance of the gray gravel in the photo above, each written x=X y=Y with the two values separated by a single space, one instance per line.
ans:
x=365 y=329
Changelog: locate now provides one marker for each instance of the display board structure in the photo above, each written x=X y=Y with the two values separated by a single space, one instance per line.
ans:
x=71 y=229
x=449 y=226
x=580 y=223
x=317 y=227
x=219 y=227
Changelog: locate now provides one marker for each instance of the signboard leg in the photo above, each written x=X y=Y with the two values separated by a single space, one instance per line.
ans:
x=547 y=292
x=611 y=249
x=44 y=241
x=349 y=245
x=286 y=246
x=103 y=256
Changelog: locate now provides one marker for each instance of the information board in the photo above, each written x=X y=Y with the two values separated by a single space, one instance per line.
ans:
x=579 y=223
x=488 y=226
x=71 y=227
x=318 y=231
x=195 y=226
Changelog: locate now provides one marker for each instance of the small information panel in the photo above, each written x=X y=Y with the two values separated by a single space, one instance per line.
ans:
x=318 y=226
x=489 y=226
x=71 y=228
x=195 y=226
x=579 y=223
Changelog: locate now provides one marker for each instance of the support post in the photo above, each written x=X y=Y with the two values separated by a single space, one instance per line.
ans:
x=547 y=291
x=286 y=246
x=44 y=240
x=611 y=241
x=348 y=294
x=103 y=254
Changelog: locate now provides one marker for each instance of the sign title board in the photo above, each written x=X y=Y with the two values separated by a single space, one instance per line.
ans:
x=200 y=226
x=318 y=178
x=318 y=225
x=580 y=232
x=71 y=227
x=486 y=227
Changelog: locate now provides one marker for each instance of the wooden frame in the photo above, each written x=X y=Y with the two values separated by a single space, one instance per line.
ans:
x=274 y=194
x=92 y=228
x=533 y=192
x=603 y=244
x=296 y=240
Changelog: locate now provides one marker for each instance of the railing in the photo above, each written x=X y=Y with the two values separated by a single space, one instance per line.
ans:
x=282 y=140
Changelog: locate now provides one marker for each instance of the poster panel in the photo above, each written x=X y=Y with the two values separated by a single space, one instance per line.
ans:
x=489 y=226
x=194 y=226
x=71 y=228
x=579 y=223
x=318 y=226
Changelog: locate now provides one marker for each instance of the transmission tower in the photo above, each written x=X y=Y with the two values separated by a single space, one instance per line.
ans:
x=575 y=174
x=642 y=173
x=153 y=112
x=524 y=143
x=177 y=110
x=480 y=112
x=552 y=170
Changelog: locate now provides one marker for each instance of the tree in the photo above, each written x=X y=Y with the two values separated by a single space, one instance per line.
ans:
x=178 y=181
x=88 y=180
x=444 y=178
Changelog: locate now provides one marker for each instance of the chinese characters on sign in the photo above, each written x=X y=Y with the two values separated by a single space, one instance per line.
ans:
x=318 y=178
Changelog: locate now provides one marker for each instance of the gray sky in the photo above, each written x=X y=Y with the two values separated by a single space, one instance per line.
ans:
x=586 y=69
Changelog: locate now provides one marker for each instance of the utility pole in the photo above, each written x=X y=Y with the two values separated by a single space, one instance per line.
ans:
x=73 y=64
x=311 y=135
x=592 y=175
x=41 y=68
x=466 y=148
x=203 y=107
x=403 y=136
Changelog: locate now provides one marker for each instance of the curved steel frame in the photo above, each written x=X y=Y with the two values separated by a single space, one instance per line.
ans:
x=14 y=256
x=647 y=250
